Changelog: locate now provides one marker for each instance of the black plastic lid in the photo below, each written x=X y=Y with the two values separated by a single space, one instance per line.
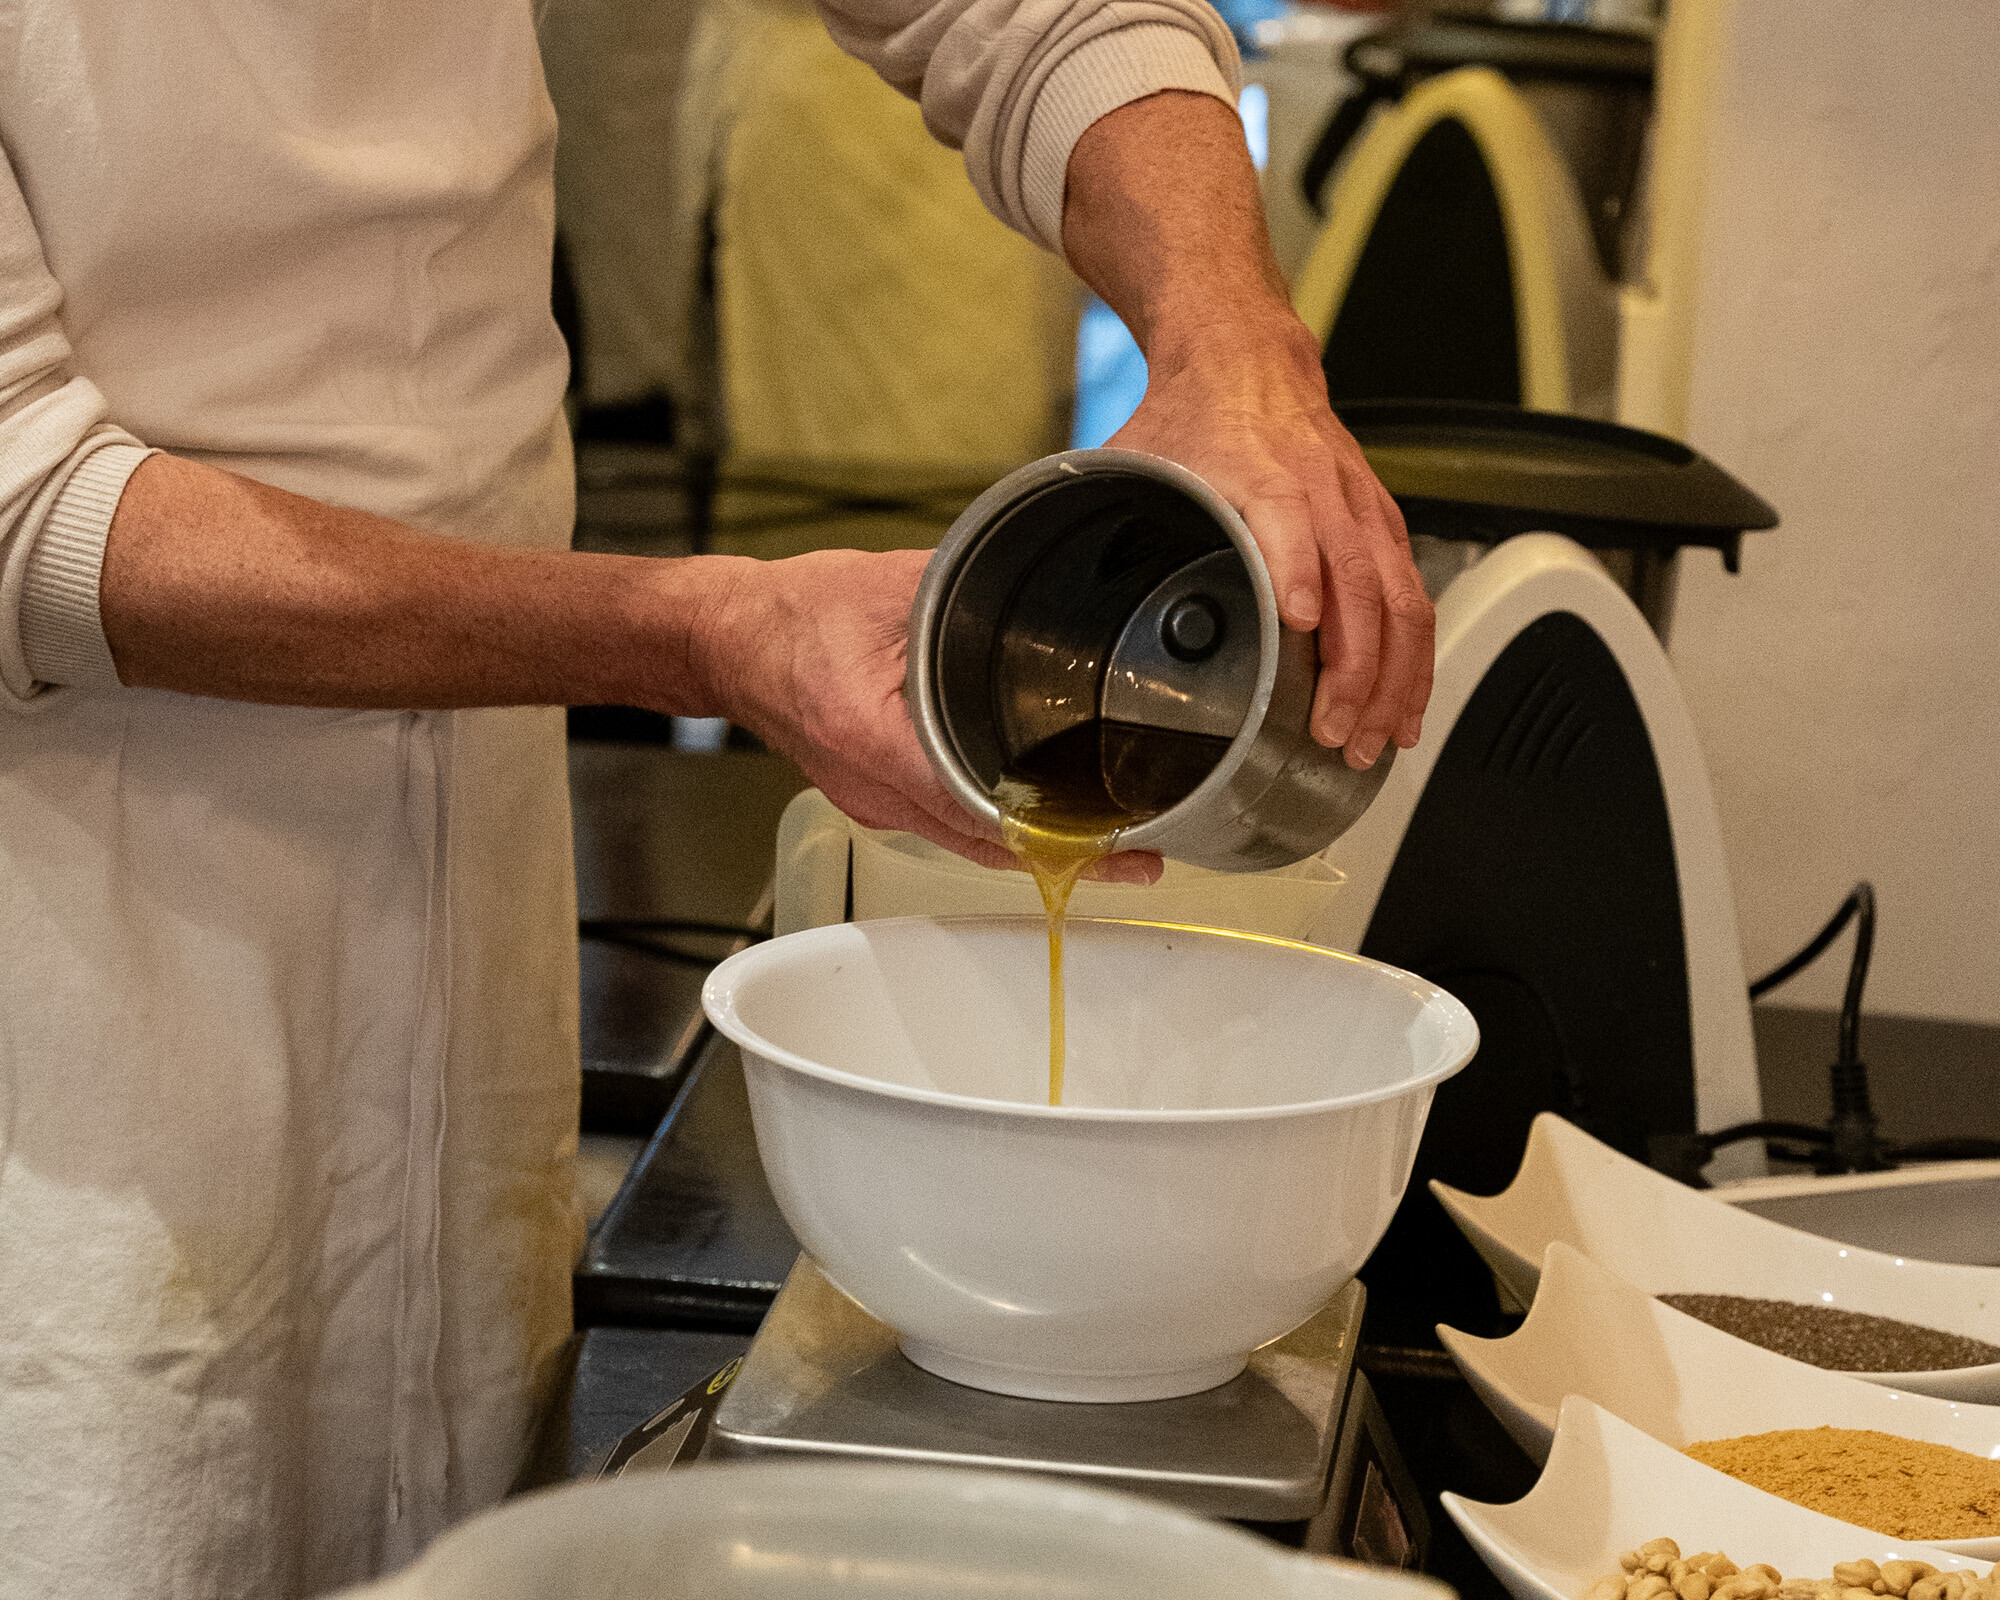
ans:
x=1520 y=49
x=1464 y=470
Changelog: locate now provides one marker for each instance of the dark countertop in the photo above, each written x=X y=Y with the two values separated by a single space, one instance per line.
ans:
x=694 y=1239
x=662 y=835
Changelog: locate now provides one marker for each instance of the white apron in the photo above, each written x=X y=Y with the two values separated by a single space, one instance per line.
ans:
x=288 y=1085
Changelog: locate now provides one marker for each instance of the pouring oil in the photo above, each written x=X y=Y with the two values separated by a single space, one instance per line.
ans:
x=1065 y=802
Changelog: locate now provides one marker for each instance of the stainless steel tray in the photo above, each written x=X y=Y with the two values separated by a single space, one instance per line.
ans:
x=825 y=1378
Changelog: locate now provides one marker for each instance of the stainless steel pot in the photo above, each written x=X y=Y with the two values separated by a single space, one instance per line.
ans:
x=1110 y=584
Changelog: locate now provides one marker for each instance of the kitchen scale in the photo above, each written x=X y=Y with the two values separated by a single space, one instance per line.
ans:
x=1295 y=1446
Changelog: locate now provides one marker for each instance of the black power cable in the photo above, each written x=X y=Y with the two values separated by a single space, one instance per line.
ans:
x=1862 y=896
x=1849 y=1141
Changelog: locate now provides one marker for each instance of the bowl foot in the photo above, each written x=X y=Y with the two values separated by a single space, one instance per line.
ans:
x=1086 y=1387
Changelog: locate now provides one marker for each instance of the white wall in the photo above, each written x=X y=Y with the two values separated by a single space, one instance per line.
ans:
x=1847 y=366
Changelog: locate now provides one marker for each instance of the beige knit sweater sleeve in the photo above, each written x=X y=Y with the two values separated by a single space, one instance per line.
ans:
x=62 y=469
x=1014 y=83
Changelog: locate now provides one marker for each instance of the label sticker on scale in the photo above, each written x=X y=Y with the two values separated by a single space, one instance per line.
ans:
x=675 y=1433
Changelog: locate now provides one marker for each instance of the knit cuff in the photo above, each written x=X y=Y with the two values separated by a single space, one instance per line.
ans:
x=1096 y=78
x=62 y=634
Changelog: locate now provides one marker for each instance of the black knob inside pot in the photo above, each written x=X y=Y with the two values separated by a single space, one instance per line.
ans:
x=1192 y=630
x=1071 y=623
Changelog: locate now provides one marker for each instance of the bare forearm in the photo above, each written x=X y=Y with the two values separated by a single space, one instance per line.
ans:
x=217 y=585
x=1161 y=216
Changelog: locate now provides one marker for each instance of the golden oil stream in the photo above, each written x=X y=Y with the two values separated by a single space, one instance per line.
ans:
x=1063 y=805
x=1057 y=860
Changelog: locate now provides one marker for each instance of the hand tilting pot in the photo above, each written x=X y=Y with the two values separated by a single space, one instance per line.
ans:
x=1109 y=587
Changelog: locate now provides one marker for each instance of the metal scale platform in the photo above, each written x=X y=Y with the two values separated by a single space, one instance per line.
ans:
x=1294 y=1445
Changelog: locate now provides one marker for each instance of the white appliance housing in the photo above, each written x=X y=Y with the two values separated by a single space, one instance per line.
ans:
x=1550 y=854
x=1483 y=611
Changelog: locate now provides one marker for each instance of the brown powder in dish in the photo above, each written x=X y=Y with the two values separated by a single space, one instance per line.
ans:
x=1840 y=1341
x=1906 y=1488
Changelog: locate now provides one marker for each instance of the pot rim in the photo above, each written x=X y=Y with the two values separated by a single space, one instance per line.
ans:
x=968 y=534
x=719 y=993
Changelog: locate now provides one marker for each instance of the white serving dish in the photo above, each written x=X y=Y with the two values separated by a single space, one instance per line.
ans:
x=845 y=1531
x=1944 y=1211
x=1241 y=1117
x=1608 y=1487
x=1665 y=1238
x=1681 y=1381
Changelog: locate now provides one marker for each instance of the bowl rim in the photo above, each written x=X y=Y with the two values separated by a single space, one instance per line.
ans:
x=970 y=534
x=719 y=991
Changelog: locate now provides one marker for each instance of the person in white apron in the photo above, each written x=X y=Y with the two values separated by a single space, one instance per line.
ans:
x=288 y=1058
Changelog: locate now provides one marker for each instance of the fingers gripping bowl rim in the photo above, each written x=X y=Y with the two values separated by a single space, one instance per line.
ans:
x=1274 y=796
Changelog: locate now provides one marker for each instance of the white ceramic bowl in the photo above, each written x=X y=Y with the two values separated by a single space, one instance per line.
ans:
x=1240 y=1119
x=839 y=1531
x=1608 y=1487
x=1665 y=1238
x=1592 y=1334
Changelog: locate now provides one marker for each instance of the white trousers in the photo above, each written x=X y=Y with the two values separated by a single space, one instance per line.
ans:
x=288 y=1106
